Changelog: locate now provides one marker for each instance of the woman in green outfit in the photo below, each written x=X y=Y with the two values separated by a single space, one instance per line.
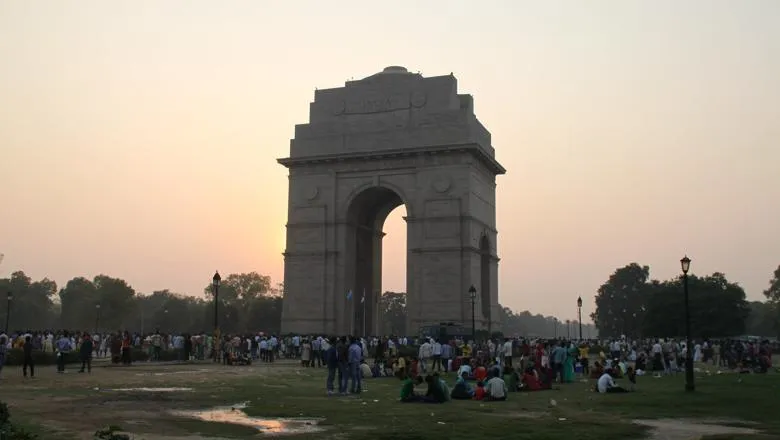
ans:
x=568 y=365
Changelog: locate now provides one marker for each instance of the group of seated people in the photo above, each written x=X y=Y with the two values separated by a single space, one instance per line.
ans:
x=492 y=383
x=495 y=389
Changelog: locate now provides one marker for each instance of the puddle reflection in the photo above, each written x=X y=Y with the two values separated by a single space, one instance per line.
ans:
x=235 y=416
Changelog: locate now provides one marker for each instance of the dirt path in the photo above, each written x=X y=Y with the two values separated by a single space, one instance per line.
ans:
x=684 y=429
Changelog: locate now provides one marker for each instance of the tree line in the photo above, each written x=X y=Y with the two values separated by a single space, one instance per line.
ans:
x=630 y=303
x=248 y=302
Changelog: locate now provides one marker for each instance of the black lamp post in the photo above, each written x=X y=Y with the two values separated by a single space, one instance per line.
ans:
x=97 y=317
x=689 y=386
x=215 y=283
x=473 y=296
x=9 y=298
x=579 y=314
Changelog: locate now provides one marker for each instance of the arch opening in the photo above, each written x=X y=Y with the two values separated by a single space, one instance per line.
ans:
x=366 y=218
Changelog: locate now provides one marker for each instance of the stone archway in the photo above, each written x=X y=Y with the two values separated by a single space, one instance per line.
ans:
x=389 y=139
x=366 y=215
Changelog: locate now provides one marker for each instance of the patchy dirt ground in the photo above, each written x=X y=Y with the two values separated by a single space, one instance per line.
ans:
x=82 y=403
x=684 y=429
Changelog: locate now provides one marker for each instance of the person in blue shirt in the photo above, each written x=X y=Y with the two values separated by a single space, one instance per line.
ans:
x=355 y=358
x=63 y=348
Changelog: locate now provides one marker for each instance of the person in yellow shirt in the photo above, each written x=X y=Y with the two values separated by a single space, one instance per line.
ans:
x=584 y=352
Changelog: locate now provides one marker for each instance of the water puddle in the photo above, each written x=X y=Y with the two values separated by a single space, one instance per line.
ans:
x=152 y=390
x=235 y=416
x=169 y=373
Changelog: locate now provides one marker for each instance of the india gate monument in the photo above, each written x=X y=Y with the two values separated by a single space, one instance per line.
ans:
x=392 y=138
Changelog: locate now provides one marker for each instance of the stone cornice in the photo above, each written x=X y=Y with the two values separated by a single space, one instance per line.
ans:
x=474 y=149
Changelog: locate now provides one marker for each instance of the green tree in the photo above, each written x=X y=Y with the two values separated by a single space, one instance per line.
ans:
x=762 y=320
x=116 y=299
x=77 y=301
x=718 y=308
x=773 y=292
x=392 y=308
x=621 y=301
x=32 y=302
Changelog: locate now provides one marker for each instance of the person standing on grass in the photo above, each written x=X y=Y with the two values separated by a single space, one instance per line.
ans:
x=355 y=359
x=28 y=359
x=156 y=345
x=332 y=362
x=85 y=351
x=63 y=348
x=342 y=353
x=558 y=357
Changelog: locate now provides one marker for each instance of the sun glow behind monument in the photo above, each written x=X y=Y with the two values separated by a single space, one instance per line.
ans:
x=394 y=249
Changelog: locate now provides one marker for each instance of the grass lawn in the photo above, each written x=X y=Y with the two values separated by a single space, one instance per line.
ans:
x=73 y=406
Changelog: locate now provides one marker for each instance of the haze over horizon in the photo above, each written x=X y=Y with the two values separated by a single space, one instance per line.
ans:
x=140 y=138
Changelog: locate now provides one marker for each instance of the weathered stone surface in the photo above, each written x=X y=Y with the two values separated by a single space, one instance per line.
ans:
x=392 y=138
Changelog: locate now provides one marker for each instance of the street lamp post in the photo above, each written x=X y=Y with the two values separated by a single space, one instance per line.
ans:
x=165 y=313
x=215 y=283
x=579 y=314
x=97 y=317
x=473 y=297
x=689 y=385
x=9 y=298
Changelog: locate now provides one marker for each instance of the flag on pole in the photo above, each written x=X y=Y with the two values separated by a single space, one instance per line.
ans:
x=349 y=295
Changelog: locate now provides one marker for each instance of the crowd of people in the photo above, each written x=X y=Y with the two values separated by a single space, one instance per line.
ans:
x=486 y=370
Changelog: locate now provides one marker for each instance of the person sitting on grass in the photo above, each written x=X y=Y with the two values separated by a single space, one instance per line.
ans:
x=597 y=371
x=479 y=393
x=465 y=369
x=407 y=391
x=631 y=375
x=443 y=384
x=480 y=373
x=530 y=381
x=512 y=379
x=366 y=371
x=607 y=385
x=462 y=389
x=495 y=389
x=435 y=389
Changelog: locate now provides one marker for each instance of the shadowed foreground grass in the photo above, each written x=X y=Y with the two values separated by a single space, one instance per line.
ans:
x=73 y=406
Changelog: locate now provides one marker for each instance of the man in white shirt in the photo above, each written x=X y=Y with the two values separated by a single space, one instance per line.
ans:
x=495 y=388
x=607 y=385
x=436 y=352
x=507 y=352
x=424 y=354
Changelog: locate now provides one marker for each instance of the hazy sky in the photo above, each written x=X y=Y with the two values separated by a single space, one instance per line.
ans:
x=139 y=138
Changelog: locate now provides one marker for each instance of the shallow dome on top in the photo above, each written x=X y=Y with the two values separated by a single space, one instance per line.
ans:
x=394 y=69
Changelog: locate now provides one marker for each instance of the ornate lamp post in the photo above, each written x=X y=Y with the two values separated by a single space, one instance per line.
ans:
x=579 y=314
x=473 y=297
x=215 y=283
x=689 y=385
x=9 y=297
x=97 y=317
